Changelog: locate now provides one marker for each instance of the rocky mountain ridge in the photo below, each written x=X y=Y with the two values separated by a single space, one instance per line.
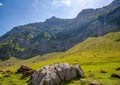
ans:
x=56 y=35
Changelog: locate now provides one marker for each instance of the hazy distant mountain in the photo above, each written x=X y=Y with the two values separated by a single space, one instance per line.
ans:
x=56 y=34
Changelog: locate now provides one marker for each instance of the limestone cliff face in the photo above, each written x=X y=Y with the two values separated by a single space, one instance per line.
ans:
x=55 y=35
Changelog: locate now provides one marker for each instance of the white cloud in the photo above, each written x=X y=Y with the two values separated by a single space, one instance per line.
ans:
x=35 y=4
x=79 y=5
x=1 y=4
x=71 y=3
x=67 y=7
x=62 y=3
x=66 y=2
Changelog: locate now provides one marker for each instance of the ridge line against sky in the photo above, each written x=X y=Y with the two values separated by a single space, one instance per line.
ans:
x=20 y=12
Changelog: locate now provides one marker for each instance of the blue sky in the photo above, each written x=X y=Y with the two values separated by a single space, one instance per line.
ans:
x=20 y=12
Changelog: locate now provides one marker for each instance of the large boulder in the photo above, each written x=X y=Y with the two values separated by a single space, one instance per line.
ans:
x=56 y=74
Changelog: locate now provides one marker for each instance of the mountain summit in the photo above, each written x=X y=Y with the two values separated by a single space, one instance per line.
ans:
x=57 y=35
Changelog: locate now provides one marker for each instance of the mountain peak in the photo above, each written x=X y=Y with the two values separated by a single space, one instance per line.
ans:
x=51 y=19
x=85 y=12
x=116 y=2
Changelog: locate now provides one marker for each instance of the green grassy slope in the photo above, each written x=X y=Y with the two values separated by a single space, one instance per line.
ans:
x=94 y=54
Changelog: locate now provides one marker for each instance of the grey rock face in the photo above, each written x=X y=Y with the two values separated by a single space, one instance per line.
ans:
x=56 y=74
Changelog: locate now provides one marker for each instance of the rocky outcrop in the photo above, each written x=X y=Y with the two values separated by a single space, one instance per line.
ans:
x=56 y=74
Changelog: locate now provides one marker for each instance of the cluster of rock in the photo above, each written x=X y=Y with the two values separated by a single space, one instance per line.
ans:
x=56 y=74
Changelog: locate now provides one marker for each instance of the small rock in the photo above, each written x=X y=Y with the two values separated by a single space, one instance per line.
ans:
x=10 y=81
x=8 y=64
x=23 y=69
x=8 y=71
x=117 y=69
x=1 y=70
x=14 y=84
x=95 y=82
x=91 y=74
x=83 y=81
x=6 y=75
x=115 y=75
x=102 y=71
